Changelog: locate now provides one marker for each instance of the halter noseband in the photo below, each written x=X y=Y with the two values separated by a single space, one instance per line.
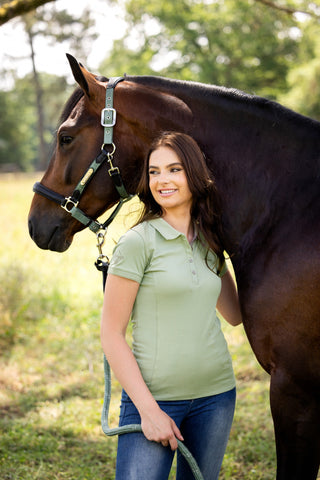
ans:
x=70 y=204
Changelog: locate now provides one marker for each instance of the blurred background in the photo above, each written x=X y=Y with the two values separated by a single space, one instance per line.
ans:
x=268 y=48
x=51 y=375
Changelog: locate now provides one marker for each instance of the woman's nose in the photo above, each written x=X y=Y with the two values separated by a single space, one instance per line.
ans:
x=163 y=177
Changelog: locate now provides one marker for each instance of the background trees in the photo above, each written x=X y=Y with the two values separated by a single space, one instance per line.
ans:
x=303 y=78
x=245 y=44
x=266 y=47
x=39 y=95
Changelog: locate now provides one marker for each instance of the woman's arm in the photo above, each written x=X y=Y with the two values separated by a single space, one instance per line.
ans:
x=120 y=294
x=228 y=301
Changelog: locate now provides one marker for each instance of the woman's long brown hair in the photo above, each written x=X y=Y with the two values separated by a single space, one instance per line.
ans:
x=205 y=209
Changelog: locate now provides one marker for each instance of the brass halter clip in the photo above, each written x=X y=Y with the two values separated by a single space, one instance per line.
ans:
x=102 y=260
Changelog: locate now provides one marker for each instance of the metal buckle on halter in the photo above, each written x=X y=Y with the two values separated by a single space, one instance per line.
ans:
x=66 y=205
x=108 y=117
x=113 y=170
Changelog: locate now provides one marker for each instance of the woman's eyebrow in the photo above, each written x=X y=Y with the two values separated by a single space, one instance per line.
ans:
x=166 y=166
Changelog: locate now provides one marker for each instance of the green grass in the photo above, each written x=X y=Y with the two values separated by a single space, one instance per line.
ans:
x=51 y=372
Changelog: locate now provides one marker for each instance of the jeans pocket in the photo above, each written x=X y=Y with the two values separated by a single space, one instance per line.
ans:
x=128 y=412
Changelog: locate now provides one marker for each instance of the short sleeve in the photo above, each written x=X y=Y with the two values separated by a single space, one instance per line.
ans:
x=129 y=259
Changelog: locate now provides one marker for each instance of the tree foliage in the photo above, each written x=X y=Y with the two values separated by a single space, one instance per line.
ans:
x=43 y=91
x=304 y=77
x=12 y=135
x=18 y=120
x=59 y=26
x=294 y=7
x=247 y=44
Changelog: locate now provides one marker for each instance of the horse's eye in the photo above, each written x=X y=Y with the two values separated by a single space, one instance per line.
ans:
x=65 y=140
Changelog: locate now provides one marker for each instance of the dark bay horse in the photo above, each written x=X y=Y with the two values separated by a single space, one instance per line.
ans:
x=266 y=161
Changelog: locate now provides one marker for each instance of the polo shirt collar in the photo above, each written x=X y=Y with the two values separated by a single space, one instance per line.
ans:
x=165 y=229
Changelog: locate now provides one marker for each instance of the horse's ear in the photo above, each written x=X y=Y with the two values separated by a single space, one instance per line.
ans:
x=78 y=74
x=86 y=80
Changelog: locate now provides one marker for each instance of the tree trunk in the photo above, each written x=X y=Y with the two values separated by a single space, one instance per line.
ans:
x=42 y=160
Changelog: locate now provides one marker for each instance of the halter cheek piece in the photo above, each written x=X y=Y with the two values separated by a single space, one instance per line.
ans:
x=70 y=204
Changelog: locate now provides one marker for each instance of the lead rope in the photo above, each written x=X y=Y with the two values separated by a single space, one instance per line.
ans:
x=102 y=264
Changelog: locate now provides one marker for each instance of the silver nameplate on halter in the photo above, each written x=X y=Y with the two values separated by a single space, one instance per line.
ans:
x=108 y=117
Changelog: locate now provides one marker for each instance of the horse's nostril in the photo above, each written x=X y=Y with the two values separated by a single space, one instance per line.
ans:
x=30 y=226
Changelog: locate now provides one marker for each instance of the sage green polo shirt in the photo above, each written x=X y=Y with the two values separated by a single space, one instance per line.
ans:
x=177 y=338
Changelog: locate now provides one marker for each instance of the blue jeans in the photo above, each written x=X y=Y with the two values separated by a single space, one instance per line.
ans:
x=205 y=424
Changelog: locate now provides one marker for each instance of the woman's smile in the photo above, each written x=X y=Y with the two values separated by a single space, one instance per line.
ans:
x=167 y=192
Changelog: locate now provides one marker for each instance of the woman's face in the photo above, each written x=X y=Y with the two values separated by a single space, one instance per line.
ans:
x=167 y=180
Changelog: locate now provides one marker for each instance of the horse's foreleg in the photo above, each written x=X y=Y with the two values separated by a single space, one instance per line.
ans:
x=296 y=415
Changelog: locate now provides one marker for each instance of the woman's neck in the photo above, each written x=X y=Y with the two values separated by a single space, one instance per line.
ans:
x=182 y=222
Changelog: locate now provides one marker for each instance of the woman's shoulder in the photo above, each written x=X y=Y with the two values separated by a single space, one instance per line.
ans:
x=139 y=231
x=132 y=252
x=141 y=228
x=136 y=237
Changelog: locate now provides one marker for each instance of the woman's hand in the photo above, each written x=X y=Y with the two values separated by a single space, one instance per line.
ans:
x=157 y=426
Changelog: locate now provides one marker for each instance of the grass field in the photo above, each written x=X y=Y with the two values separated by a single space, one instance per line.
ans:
x=51 y=372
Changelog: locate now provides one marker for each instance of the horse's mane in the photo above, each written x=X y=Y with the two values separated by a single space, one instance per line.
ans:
x=215 y=95
x=210 y=94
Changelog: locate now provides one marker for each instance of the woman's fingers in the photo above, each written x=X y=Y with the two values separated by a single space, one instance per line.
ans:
x=173 y=443
x=177 y=432
x=170 y=441
x=176 y=435
x=161 y=429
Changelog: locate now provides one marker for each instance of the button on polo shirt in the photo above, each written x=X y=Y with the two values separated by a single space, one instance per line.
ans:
x=177 y=338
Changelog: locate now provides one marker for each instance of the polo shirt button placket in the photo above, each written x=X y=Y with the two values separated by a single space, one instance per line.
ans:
x=193 y=271
x=191 y=262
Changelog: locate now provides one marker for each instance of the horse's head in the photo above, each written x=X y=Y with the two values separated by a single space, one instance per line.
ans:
x=144 y=106
x=78 y=142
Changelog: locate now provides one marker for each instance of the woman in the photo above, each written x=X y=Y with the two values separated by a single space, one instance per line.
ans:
x=168 y=274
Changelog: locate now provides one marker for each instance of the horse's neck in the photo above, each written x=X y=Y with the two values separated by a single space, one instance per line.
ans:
x=264 y=159
x=251 y=145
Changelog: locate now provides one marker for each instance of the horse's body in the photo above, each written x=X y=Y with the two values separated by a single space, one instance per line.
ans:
x=266 y=161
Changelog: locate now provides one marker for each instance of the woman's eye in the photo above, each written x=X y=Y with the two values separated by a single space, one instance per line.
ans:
x=153 y=172
x=65 y=140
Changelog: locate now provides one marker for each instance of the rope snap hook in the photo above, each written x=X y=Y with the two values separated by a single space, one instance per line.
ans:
x=102 y=262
